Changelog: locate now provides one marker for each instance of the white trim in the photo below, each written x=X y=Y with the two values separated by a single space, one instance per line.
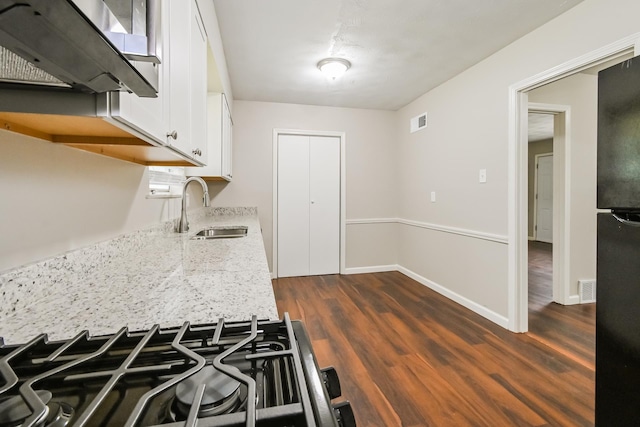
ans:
x=372 y=269
x=498 y=238
x=372 y=221
x=561 y=260
x=465 y=302
x=532 y=238
x=343 y=191
x=517 y=274
x=459 y=231
x=573 y=300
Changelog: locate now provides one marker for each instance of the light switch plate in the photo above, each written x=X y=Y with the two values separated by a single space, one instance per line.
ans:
x=482 y=177
x=433 y=196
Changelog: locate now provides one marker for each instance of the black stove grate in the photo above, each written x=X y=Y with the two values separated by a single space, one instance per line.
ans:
x=128 y=377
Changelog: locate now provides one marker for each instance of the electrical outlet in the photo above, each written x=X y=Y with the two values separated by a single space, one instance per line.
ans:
x=433 y=197
x=482 y=176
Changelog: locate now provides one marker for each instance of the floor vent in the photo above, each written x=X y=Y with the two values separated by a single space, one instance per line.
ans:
x=587 y=290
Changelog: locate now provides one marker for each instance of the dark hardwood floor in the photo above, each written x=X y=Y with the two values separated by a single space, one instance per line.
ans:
x=567 y=329
x=407 y=356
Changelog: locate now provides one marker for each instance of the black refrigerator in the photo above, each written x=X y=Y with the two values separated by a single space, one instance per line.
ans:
x=618 y=253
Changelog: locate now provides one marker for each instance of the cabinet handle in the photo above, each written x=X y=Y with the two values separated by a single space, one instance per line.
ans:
x=197 y=152
x=173 y=134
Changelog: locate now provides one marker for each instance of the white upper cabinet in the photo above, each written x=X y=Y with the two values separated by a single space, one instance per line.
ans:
x=219 y=140
x=227 y=140
x=148 y=116
x=187 y=79
x=198 y=87
x=176 y=118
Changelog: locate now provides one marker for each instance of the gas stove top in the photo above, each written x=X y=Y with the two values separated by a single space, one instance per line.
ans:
x=255 y=373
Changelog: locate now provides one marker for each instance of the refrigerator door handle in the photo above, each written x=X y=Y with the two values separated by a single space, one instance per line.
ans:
x=627 y=221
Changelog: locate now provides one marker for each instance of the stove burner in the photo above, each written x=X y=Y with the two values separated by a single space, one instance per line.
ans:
x=221 y=394
x=60 y=414
x=15 y=410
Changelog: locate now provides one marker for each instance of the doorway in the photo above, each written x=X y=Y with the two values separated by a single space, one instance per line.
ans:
x=308 y=203
x=518 y=233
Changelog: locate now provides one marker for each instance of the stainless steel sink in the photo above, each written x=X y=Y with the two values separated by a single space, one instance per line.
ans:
x=221 y=232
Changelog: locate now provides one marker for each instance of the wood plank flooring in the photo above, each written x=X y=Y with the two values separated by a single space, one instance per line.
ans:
x=567 y=329
x=407 y=356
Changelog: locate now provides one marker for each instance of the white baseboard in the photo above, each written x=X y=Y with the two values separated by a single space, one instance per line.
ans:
x=371 y=269
x=471 y=305
x=531 y=238
x=573 y=300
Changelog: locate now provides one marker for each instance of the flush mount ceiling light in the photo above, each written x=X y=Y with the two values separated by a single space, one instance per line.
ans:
x=333 y=67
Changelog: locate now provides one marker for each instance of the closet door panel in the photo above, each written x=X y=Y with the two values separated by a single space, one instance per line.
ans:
x=324 y=197
x=293 y=205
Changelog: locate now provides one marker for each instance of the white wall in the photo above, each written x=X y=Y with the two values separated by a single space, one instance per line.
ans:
x=468 y=130
x=56 y=198
x=580 y=92
x=372 y=185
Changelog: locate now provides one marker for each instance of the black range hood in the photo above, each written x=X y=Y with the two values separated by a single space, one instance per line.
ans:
x=58 y=38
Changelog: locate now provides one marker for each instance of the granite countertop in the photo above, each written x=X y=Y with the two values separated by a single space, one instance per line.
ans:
x=140 y=279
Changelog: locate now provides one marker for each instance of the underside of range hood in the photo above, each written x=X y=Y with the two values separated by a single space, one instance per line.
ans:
x=79 y=120
x=57 y=38
x=15 y=69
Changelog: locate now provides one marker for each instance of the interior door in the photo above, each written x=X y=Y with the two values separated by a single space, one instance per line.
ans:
x=308 y=182
x=324 y=187
x=544 y=198
x=293 y=205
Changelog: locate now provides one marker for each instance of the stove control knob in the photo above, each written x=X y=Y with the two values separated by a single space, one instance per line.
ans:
x=331 y=381
x=344 y=414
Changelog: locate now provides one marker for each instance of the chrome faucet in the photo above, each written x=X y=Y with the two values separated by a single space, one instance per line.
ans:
x=183 y=225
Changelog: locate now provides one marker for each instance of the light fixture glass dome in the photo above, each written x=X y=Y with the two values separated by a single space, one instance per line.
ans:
x=333 y=67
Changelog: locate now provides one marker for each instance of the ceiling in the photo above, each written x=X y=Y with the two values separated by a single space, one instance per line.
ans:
x=540 y=126
x=399 y=50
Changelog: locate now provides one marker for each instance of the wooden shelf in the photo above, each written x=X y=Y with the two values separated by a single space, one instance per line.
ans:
x=91 y=134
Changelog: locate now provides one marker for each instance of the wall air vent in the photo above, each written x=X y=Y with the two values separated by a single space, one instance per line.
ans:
x=418 y=122
x=587 y=291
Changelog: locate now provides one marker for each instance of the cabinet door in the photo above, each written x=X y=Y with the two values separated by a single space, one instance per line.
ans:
x=146 y=115
x=198 y=87
x=219 y=140
x=178 y=79
x=227 y=140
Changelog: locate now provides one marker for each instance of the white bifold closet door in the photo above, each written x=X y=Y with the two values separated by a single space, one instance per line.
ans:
x=308 y=205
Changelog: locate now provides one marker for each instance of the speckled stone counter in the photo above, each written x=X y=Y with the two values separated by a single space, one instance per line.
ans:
x=140 y=279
